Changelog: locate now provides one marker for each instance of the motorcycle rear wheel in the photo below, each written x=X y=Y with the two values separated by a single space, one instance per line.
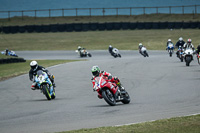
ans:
x=109 y=97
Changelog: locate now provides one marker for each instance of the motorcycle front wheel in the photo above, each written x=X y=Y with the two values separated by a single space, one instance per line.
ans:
x=126 y=98
x=45 y=90
x=109 y=97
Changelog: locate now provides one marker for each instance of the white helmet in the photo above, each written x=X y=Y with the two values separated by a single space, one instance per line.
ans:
x=140 y=44
x=34 y=65
x=180 y=39
x=189 y=40
x=169 y=40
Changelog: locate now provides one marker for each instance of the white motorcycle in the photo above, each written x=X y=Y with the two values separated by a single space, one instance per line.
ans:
x=188 y=56
x=115 y=53
x=144 y=52
x=83 y=53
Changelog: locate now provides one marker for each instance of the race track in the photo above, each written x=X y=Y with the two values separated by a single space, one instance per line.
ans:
x=159 y=87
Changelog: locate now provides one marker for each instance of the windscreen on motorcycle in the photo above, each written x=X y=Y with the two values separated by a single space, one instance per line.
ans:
x=98 y=80
x=40 y=72
x=170 y=45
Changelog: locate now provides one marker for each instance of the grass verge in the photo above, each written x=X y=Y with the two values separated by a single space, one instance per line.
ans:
x=187 y=124
x=15 y=69
x=95 y=40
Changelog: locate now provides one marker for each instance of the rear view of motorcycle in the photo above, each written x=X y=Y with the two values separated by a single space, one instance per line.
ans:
x=110 y=92
x=170 y=49
x=44 y=84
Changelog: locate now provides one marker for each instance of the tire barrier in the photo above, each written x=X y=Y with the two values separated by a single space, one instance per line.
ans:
x=12 y=60
x=30 y=28
x=93 y=26
x=78 y=27
x=99 y=26
x=22 y=29
x=109 y=26
x=102 y=26
x=117 y=26
x=86 y=27
x=125 y=26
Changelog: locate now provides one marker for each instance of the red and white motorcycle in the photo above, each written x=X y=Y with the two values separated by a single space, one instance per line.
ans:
x=110 y=91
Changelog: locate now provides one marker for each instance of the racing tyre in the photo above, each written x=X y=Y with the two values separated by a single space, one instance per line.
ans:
x=89 y=55
x=53 y=96
x=188 y=60
x=46 y=92
x=109 y=97
x=126 y=97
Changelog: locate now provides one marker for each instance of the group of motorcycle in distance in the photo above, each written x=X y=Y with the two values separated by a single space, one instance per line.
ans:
x=183 y=54
x=82 y=52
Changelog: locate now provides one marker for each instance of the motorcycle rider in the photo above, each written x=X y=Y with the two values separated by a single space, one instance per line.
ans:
x=179 y=44
x=79 y=48
x=33 y=72
x=6 y=53
x=198 y=49
x=140 y=47
x=96 y=72
x=188 y=44
x=110 y=48
x=168 y=42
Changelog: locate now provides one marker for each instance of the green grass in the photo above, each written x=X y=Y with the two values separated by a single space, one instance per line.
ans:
x=16 y=69
x=122 y=39
x=188 y=124
x=100 y=19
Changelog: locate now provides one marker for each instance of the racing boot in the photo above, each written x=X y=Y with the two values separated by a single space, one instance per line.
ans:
x=33 y=86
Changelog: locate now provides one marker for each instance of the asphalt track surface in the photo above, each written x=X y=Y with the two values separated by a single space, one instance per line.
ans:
x=159 y=86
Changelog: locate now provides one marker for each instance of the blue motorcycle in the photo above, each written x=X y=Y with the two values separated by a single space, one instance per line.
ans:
x=170 y=49
x=45 y=85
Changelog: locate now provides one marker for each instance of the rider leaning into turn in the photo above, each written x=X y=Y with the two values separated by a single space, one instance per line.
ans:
x=96 y=72
x=33 y=72
x=110 y=48
x=140 y=47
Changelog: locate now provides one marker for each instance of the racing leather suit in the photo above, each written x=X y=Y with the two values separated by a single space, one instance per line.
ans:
x=186 y=45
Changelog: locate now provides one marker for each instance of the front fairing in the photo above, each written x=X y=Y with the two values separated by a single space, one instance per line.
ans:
x=188 y=52
x=102 y=82
x=40 y=79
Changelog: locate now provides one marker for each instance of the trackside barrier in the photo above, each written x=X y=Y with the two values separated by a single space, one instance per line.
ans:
x=12 y=60
x=99 y=26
